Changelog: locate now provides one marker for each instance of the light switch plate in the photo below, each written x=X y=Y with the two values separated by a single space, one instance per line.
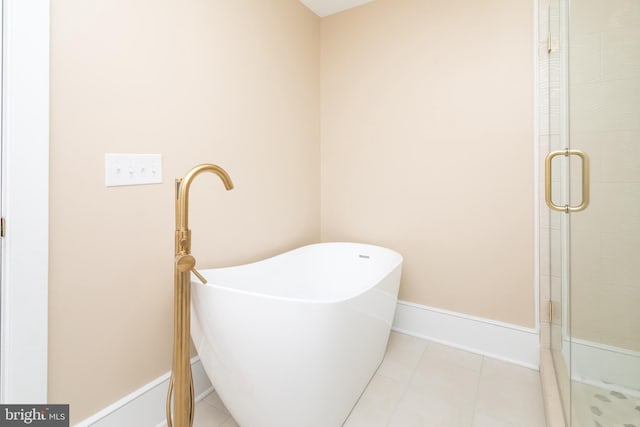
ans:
x=132 y=169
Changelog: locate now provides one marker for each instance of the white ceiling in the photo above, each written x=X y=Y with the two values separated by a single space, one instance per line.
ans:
x=328 y=7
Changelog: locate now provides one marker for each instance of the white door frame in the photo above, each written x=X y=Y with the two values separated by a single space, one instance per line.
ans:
x=25 y=201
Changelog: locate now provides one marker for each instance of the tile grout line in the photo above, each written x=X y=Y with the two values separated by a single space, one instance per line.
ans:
x=406 y=385
x=475 y=400
x=211 y=405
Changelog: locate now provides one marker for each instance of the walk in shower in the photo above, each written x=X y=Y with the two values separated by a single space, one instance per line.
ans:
x=594 y=273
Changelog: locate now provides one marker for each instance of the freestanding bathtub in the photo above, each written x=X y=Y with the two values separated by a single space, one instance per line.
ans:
x=292 y=341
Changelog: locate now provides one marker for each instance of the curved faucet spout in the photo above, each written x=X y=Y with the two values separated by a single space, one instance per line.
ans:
x=181 y=392
x=182 y=206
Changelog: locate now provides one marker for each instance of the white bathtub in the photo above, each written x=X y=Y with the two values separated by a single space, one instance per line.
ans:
x=292 y=341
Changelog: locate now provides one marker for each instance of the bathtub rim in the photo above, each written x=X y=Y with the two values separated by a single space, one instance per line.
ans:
x=395 y=264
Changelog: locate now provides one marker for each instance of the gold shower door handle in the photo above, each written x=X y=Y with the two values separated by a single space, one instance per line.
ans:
x=548 y=195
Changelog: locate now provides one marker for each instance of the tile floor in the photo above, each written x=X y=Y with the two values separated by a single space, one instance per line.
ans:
x=421 y=383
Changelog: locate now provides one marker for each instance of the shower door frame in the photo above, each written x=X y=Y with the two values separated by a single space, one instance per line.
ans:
x=559 y=229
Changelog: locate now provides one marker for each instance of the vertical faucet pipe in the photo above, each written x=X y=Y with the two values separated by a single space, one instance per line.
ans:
x=180 y=412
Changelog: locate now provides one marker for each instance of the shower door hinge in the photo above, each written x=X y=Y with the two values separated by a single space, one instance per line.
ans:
x=549 y=42
x=3 y=227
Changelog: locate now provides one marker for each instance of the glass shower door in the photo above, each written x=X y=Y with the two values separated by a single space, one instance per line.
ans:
x=604 y=121
x=598 y=330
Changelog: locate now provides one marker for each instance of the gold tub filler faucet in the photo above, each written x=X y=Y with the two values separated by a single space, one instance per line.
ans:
x=181 y=383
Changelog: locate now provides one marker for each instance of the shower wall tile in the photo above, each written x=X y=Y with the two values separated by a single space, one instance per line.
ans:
x=620 y=249
x=619 y=156
x=606 y=277
x=615 y=210
x=555 y=75
x=543 y=69
x=555 y=255
x=601 y=16
x=545 y=79
x=555 y=219
x=554 y=14
x=545 y=218
x=543 y=20
x=554 y=111
x=556 y=177
x=586 y=58
x=543 y=87
x=545 y=254
x=555 y=142
x=606 y=105
x=545 y=283
x=621 y=54
x=556 y=290
x=592 y=143
x=543 y=125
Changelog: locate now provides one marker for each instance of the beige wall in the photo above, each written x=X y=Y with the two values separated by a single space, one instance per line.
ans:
x=230 y=82
x=424 y=109
x=427 y=147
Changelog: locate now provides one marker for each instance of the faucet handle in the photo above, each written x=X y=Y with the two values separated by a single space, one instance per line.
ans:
x=187 y=262
x=199 y=276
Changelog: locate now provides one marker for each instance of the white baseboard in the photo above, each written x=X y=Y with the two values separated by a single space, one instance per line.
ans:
x=498 y=340
x=145 y=407
x=605 y=366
